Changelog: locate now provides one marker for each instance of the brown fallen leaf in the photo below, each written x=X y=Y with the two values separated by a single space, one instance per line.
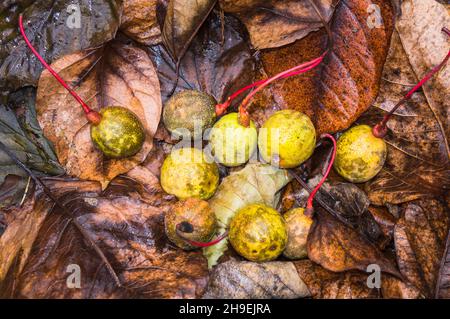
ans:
x=347 y=81
x=139 y=21
x=276 y=23
x=443 y=283
x=418 y=155
x=119 y=73
x=420 y=237
x=325 y=284
x=394 y=288
x=249 y=280
x=131 y=233
x=338 y=247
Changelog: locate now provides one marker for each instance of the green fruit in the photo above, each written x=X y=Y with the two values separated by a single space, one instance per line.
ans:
x=119 y=133
x=196 y=218
x=186 y=173
x=189 y=111
x=287 y=139
x=258 y=233
x=359 y=154
x=231 y=143
x=298 y=225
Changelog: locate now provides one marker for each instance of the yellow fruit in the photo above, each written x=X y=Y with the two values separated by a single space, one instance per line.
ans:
x=196 y=218
x=189 y=111
x=258 y=233
x=119 y=133
x=298 y=225
x=287 y=139
x=231 y=143
x=187 y=173
x=359 y=155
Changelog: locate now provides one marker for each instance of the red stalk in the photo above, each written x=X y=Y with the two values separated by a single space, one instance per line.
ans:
x=309 y=204
x=380 y=130
x=92 y=116
x=180 y=233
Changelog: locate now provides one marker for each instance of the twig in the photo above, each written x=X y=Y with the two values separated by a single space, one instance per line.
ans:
x=49 y=194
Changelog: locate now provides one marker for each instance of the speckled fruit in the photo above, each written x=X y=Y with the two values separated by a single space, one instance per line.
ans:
x=258 y=233
x=287 y=139
x=186 y=173
x=231 y=143
x=119 y=133
x=188 y=109
x=359 y=155
x=198 y=222
x=298 y=225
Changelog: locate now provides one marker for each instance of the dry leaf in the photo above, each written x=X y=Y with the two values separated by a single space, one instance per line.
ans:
x=249 y=280
x=394 y=288
x=346 y=83
x=276 y=23
x=117 y=74
x=420 y=237
x=337 y=247
x=139 y=21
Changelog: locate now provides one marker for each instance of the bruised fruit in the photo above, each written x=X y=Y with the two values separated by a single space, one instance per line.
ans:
x=231 y=143
x=193 y=219
x=189 y=111
x=298 y=225
x=186 y=172
x=360 y=155
x=258 y=233
x=287 y=139
x=119 y=132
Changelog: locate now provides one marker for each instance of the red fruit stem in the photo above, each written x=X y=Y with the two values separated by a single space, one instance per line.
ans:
x=380 y=130
x=93 y=116
x=309 y=203
x=222 y=107
x=199 y=243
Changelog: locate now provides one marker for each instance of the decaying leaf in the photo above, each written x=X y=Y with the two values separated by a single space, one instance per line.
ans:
x=131 y=233
x=255 y=183
x=323 y=283
x=417 y=164
x=182 y=21
x=420 y=238
x=443 y=283
x=139 y=21
x=249 y=280
x=55 y=28
x=120 y=74
x=216 y=63
x=347 y=82
x=338 y=247
x=394 y=288
x=276 y=23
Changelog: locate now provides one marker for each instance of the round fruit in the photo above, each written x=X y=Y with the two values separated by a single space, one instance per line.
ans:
x=258 y=233
x=186 y=173
x=194 y=218
x=298 y=225
x=231 y=143
x=119 y=133
x=189 y=111
x=360 y=155
x=287 y=139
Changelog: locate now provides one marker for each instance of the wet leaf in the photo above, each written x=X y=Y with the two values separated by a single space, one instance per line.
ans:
x=418 y=155
x=216 y=63
x=325 y=284
x=139 y=21
x=337 y=247
x=346 y=83
x=22 y=135
x=420 y=238
x=182 y=21
x=120 y=73
x=248 y=280
x=130 y=232
x=49 y=32
x=276 y=23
